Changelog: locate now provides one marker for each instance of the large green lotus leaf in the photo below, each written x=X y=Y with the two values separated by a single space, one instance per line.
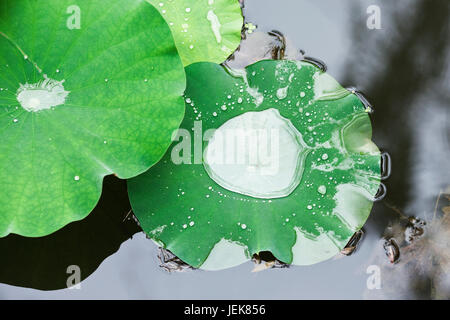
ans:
x=338 y=170
x=87 y=88
x=204 y=30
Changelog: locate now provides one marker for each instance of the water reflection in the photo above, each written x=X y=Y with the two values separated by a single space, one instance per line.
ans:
x=397 y=68
x=259 y=45
x=402 y=69
x=42 y=263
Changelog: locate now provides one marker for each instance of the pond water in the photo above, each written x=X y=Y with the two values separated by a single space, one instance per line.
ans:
x=403 y=68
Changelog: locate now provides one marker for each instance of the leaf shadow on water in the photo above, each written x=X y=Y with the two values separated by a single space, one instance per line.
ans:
x=41 y=263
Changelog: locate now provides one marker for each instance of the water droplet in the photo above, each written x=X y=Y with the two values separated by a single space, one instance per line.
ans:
x=325 y=156
x=76 y=178
x=244 y=226
x=302 y=94
x=282 y=93
x=184 y=226
x=309 y=207
x=191 y=223
x=188 y=10
x=322 y=189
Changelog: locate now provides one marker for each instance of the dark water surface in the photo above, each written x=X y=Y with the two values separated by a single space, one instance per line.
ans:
x=404 y=71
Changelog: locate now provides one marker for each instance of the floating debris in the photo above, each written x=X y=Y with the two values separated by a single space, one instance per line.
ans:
x=392 y=250
x=353 y=244
x=171 y=263
x=266 y=260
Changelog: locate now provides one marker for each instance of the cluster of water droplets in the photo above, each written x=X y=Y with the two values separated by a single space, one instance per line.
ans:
x=187 y=27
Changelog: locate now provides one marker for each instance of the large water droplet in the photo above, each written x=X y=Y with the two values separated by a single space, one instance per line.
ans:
x=259 y=154
x=42 y=95
x=322 y=189
x=215 y=25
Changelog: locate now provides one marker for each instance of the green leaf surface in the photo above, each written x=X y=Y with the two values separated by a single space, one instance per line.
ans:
x=208 y=226
x=204 y=30
x=81 y=97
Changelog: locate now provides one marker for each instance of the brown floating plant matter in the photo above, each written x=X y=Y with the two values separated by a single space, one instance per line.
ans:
x=421 y=255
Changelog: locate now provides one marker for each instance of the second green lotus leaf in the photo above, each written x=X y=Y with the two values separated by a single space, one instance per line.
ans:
x=277 y=157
